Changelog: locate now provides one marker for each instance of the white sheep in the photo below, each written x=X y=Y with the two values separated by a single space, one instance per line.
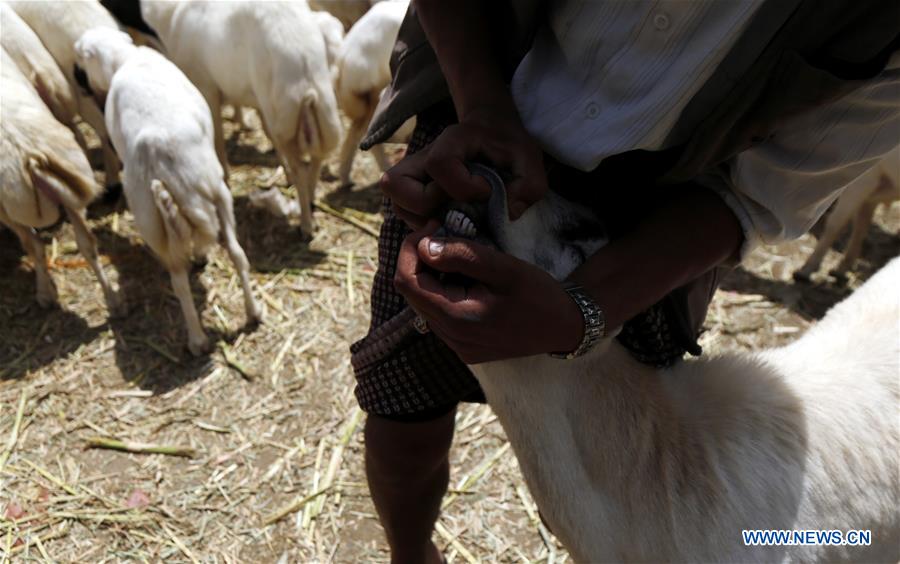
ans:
x=36 y=63
x=160 y=124
x=631 y=463
x=362 y=73
x=332 y=32
x=857 y=202
x=266 y=55
x=42 y=168
x=59 y=25
x=347 y=12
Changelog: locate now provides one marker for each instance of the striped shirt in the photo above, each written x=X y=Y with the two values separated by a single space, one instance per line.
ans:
x=608 y=76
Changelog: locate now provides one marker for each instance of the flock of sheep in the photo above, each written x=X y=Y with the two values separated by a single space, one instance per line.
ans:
x=154 y=95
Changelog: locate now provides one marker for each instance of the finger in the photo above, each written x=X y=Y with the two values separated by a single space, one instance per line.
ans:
x=417 y=195
x=468 y=258
x=415 y=222
x=446 y=164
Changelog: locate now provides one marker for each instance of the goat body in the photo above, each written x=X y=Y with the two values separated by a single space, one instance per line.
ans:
x=266 y=55
x=362 y=72
x=59 y=25
x=631 y=463
x=856 y=204
x=42 y=168
x=174 y=185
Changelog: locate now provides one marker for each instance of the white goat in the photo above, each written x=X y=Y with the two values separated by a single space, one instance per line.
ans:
x=59 y=25
x=347 y=12
x=878 y=185
x=266 y=55
x=37 y=64
x=42 y=168
x=363 y=70
x=631 y=463
x=160 y=124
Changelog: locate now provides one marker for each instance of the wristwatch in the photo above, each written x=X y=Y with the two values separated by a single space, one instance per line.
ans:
x=594 y=322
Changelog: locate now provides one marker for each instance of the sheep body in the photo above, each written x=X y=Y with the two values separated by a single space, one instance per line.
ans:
x=160 y=124
x=266 y=55
x=59 y=25
x=36 y=63
x=42 y=168
x=631 y=463
x=856 y=204
x=362 y=72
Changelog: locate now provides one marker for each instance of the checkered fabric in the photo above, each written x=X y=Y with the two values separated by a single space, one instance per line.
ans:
x=423 y=379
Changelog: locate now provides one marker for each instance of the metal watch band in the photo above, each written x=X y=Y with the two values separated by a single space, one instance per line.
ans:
x=594 y=322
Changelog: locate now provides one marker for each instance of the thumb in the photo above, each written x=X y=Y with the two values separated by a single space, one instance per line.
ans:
x=473 y=260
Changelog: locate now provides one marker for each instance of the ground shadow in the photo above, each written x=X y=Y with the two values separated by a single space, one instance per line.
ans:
x=151 y=339
x=365 y=198
x=812 y=299
x=248 y=154
x=272 y=243
x=30 y=336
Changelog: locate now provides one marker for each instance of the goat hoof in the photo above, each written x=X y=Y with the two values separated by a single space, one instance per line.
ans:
x=254 y=316
x=801 y=276
x=117 y=307
x=112 y=193
x=47 y=300
x=838 y=274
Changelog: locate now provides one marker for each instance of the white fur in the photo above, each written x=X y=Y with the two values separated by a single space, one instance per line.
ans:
x=42 y=168
x=59 y=25
x=346 y=11
x=266 y=55
x=162 y=127
x=857 y=202
x=36 y=63
x=630 y=463
x=363 y=71
x=332 y=32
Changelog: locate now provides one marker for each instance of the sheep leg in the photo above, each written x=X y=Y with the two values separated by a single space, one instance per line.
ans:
x=87 y=245
x=306 y=195
x=34 y=247
x=348 y=150
x=238 y=257
x=197 y=341
x=381 y=157
x=837 y=219
x=92 y=114
x=214 y=100
x=861 y=224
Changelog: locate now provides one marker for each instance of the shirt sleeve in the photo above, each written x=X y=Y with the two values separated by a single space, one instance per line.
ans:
x=781 y=187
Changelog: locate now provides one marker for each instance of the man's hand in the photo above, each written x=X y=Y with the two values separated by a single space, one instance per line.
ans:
x=509 y=309
x=421 y=182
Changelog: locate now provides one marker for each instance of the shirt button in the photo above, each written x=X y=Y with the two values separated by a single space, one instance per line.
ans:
x=661 y=21
x=592 y=110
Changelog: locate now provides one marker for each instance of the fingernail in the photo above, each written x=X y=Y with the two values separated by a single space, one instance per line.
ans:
x=435 y=247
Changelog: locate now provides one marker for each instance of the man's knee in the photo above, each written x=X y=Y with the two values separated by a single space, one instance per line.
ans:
x=408 y=449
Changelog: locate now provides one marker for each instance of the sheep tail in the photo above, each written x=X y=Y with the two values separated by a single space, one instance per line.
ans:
x=60 y=181
x=319 y=128
x=178 y=230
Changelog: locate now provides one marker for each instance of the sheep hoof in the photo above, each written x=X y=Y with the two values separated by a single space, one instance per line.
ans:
x=200 y=347
x=801 y=276
x=112 y=193
x=47 y=299
x=117 y=307
x=838 y=274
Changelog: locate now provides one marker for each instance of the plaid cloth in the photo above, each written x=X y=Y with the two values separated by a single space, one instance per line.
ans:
x=423 y=379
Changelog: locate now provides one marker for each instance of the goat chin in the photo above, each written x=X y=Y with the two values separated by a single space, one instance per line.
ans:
x=630 y=463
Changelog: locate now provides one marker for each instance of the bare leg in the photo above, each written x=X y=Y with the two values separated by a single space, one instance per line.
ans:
x=197 y=341
x=34 y=247
x=861 y=224
x=226 y=218
x=408 y=468
x=87 y=244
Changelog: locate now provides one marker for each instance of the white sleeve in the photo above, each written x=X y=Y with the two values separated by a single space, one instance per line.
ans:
x=780 y=188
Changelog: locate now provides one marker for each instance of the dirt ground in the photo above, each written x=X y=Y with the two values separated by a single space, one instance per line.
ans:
x=267 y=425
